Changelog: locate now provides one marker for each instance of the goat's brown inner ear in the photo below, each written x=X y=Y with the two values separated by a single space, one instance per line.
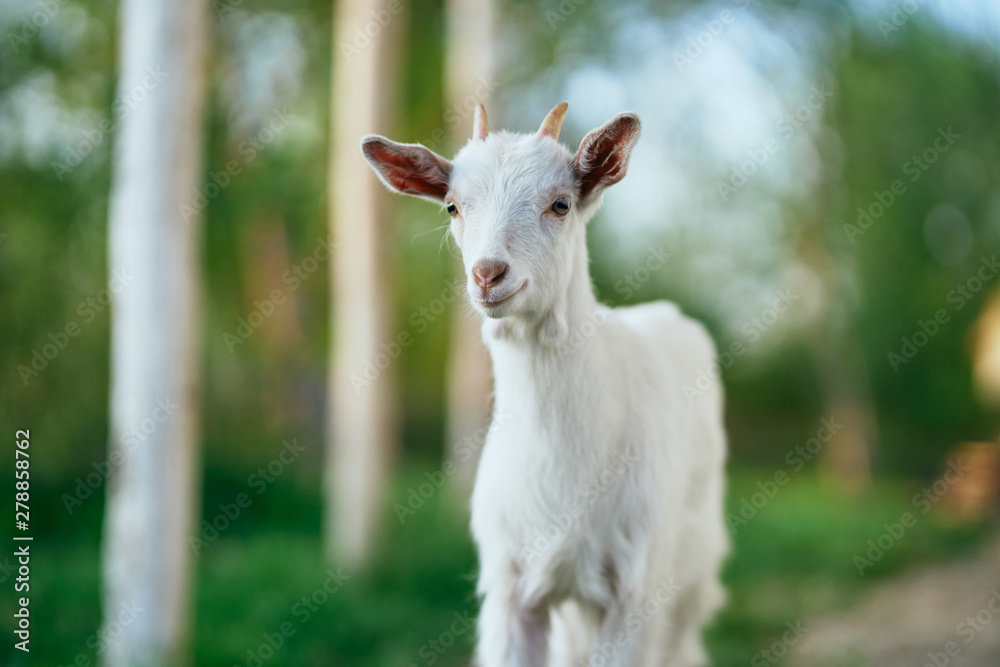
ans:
x=410 y=169
x=604 y=164
x=602 y=159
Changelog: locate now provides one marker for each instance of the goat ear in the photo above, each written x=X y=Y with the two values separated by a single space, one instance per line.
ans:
x=410 y=169
x=602 y=158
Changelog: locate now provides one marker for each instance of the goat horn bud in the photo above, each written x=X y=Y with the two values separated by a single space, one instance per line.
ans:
x=553 y=122
x=480 y=126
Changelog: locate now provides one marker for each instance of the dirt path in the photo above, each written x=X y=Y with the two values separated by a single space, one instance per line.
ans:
x=943 y=616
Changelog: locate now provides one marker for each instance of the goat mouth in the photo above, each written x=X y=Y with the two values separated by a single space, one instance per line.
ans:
x=487 y=303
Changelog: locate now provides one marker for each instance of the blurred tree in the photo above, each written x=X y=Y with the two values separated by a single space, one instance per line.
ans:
x=469 y=68
x=845 y=461
x=362 y=426
x=909 y=114
x=155 y=336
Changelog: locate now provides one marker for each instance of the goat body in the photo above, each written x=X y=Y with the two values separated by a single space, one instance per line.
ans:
x=598 y=503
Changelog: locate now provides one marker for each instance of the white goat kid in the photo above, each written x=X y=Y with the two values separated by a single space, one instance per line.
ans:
x=597 y=509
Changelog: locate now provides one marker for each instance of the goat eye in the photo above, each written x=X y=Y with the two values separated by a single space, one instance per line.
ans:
x=561 y=206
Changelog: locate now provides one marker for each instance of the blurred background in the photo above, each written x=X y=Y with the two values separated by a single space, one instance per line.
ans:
x=824 y=177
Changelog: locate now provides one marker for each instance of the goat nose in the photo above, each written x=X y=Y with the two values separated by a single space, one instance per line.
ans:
x=489 y=273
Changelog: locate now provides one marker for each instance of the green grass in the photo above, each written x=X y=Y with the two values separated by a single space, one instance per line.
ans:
x=792 y=560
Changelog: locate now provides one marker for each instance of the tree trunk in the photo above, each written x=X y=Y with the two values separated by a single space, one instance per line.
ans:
x=845 y=461
x=362 y=422
x=155 y=325
x=469 y=377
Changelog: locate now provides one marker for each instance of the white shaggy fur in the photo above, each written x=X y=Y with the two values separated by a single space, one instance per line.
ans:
x=597 y=508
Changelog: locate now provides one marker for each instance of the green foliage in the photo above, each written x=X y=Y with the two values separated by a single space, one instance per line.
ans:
x=890 y=106
x=793 y=560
